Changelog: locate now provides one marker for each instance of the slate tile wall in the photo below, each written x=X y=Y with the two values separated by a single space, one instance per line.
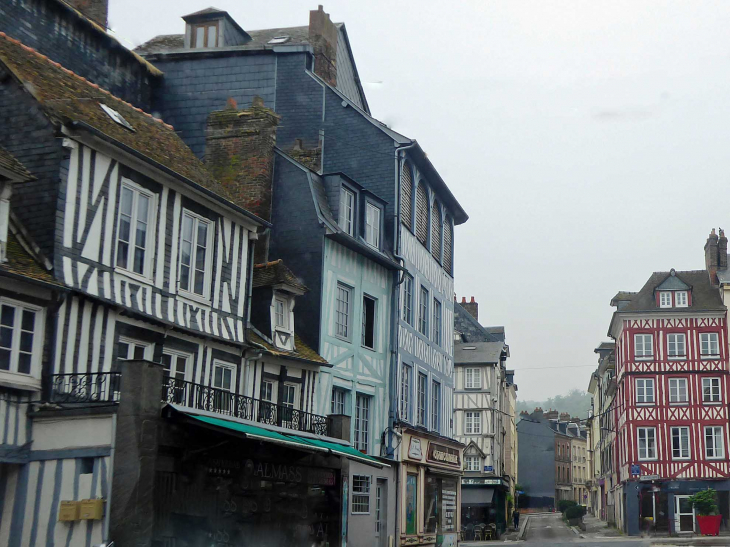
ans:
x=193 y=88
x=60 y=35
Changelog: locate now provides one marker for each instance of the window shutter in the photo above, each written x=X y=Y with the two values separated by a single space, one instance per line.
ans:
x=448 y=246
x=421 y=214
x=406 y=193
x=436 y=231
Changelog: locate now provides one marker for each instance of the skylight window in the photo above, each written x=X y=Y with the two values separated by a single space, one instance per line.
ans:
x=116 y=116
x=469 y=348
x=279 y=39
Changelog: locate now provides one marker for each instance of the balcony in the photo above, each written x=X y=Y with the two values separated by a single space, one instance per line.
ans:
x=95 y=387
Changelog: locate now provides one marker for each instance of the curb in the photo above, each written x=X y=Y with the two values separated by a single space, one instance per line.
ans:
x=523 y=528
x=719 y=540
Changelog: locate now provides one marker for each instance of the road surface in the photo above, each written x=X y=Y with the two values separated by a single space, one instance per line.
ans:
x=548 y=529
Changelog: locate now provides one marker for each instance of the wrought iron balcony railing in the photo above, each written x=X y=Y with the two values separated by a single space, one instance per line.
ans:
x=93 y=387
x=224 y=402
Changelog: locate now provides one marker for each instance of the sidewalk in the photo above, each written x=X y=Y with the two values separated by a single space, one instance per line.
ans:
x=595 y=528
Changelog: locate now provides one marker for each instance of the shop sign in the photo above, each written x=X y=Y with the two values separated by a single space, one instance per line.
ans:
x=635 y=469
x=443 y=454
x=488 y=482
x=489 y=469
x=649 y=478
x=414 y=449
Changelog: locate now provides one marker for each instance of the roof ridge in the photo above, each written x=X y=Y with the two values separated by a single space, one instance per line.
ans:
x=267 y=264
x=92 y=84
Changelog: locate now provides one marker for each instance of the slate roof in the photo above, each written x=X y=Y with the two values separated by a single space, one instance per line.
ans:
x=302 y=353
x=67 y=98
x=15 y=170
x=483 y=352
x=472 y=331
x=20 y=262
x=275 y=273
x=705 y=297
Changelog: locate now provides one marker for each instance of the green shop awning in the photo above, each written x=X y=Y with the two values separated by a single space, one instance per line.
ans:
x=295 y=441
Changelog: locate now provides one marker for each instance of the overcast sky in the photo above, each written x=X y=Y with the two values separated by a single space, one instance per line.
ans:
x=589 y=142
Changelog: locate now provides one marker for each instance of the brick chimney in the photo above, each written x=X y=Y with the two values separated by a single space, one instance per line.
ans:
x=711 y=256
x=564 y=417
x=96 y=10
x=551 y=415
x=239 y=152
x=722 y=251
x=323 y=37
x=472 y=307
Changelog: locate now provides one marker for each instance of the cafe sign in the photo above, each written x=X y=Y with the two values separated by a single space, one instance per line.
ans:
x=443 y=454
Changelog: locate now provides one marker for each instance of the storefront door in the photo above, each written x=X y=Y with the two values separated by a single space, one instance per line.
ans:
x=381 y=512
x=684 y=514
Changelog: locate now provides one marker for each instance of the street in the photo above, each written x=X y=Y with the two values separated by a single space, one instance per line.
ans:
x=549 y=529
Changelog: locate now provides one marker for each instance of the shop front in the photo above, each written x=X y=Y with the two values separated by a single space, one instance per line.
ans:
x=483 y=502
x=430 y=476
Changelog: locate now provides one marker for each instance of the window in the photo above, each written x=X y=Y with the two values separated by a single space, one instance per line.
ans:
x=710 y=390
x=223 y=376
x=473 y=378
x=360 y=495
x=175 y=368
x=405 y=392
x=204 y=35
x=473 y=423
x=643 y=347
x=708 y=344
x=280 y=312
x=267 y=391
x=423 y=312
x=288 y=401
x=665 y=299
x=714 y=447
x=436 y=232
x=347 y=211
x=132 y=349
x=411 y=503
x=644 y=390
x=279 y=39
x=448 y=245
x=372 y=225
x=194 y=254
x=647 y=443
x=421 y=401
x=678 y=390
x=406 y=196
x=436 y=406
x=680 y=299
x=362 y=422
x=680 y=443
x=116 y=116
x=342 y=319
x=421 y=214
x=436 y=324
x=135 y=206
x=368 y=322
x=339 y=398
x=676 y=346
x=20 y=337
x=471 y=463
x=408 y=299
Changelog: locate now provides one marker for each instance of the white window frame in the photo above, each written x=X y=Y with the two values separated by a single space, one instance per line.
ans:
x=709 y=341
x=472 y=423
x=680 y=433
x=645 y=394
x=676 y=345
x=436 y=321
x=681 y=299
x=338 y=404
x=32 y=378
x=422 y=399
x=207 y=274
x=347 y=211
x=364 y=321
x=472 y=463
x=408 y=285
x=405 y=391
x=223 y=364
x=665 y=299
x=177 y=355
x=269 y=398
x=149 y=248
x=343 y=330
x=649 y=452
x=715 y=386
x=283 y=313
x=423 y=305
x=361 y=487
x=472 y=378
x=717 y=451
x=148 y=347
x=678 y=393
x=373 y=216
x=362 y=422
x=640 y=341
x=435 y=406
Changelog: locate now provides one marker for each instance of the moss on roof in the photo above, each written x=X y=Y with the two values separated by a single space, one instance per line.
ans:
x=8 y=162
x=21 y=262
x=275 y=273
x=302 y=352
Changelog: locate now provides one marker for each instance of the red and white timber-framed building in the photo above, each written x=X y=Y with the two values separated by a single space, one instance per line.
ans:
x=671 y=405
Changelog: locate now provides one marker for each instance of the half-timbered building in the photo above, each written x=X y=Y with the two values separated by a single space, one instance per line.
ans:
x=671 y=399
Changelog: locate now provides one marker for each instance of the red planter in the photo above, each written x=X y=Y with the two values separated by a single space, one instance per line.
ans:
x=709 y=525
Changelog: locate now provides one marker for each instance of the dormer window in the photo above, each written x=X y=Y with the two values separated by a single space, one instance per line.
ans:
x=204 y=35
x=372 y=225
x=281 y=314
x=680 y=299
x=665 y=299
x=347 y=211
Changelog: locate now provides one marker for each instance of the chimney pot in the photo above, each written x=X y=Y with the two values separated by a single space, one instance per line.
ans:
x=231 y=104
x=472 y=299
x=257 y=102
x=722 y=251
x=297 y=144
x=463 y=299
x=712 y=256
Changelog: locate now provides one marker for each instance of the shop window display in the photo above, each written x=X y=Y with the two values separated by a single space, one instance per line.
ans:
x=440 y=505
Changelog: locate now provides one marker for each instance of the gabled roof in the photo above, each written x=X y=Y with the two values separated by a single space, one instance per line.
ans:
x=214 y=13
x=472 y=330
x=24 y=258
x=705 y=297
x=478 y=352
x=12 y=169
x=673 y=283
x=302 y=352
x=622 y=296
x=68 y=99
x=271 y=274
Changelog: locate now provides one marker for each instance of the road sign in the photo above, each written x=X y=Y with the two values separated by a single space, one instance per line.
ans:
x=636 y=469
